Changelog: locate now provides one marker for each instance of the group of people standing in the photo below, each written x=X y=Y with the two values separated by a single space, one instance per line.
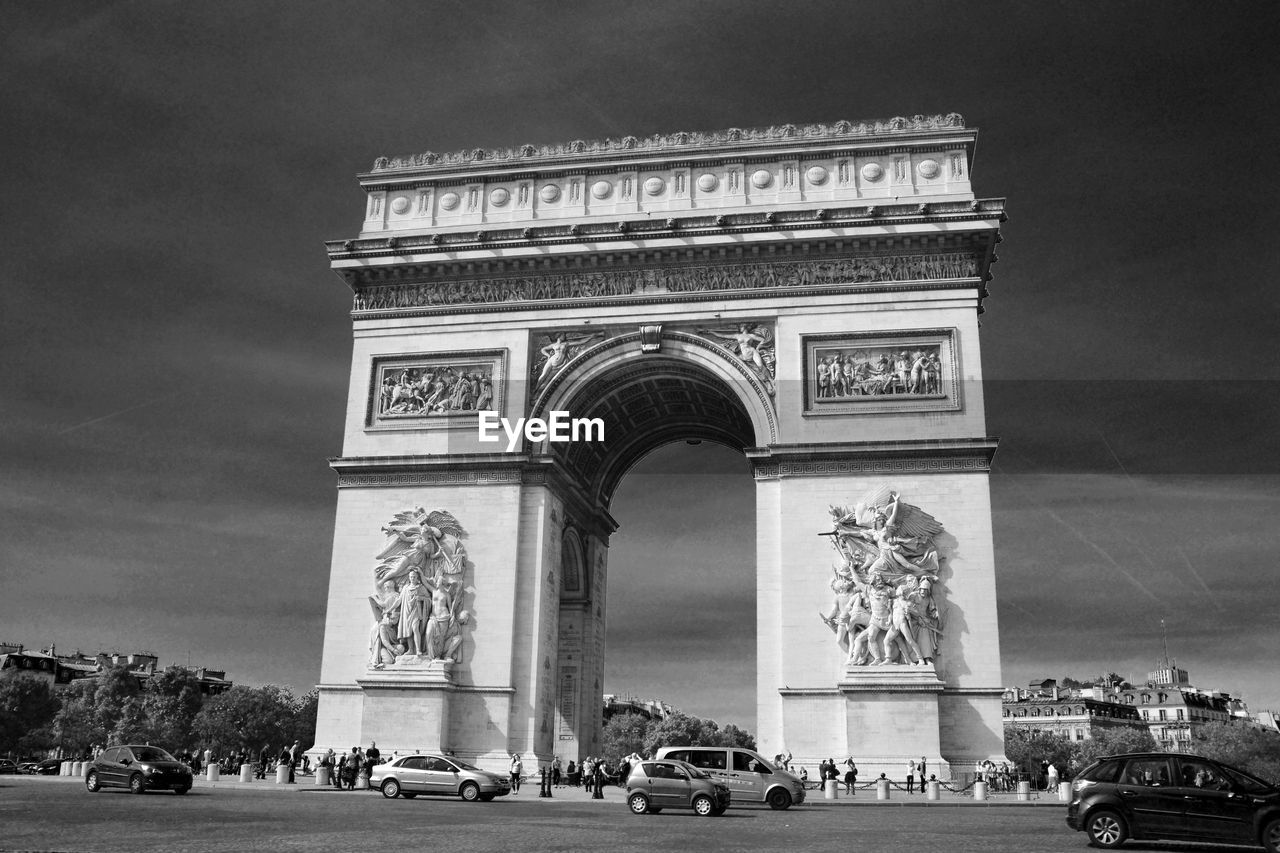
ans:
x=344 y=770
x=829 y=771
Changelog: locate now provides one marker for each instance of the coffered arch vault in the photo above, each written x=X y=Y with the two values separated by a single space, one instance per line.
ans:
x=686 y=390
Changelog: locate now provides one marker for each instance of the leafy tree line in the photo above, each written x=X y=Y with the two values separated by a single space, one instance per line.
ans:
x=168 y=710
x=627 y=733
x=1250 y=749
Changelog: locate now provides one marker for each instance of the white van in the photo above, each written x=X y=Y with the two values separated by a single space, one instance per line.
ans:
x=750 y=778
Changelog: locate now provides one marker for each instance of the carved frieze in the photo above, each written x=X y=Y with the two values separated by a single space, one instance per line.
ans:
x=411 y=390
x=668 y=279
x=879 y=372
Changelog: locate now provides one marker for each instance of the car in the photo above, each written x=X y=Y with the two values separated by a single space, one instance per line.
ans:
x=435 y=774
x=48 y=767
x=1173 y=796
x=655 y=785
x=138 y=768
x=8 y=766
x=749 y=777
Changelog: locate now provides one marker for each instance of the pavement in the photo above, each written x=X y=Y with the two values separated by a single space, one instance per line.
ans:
x=613 y=794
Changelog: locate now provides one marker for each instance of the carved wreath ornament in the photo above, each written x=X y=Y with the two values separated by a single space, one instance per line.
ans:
x=884 y=609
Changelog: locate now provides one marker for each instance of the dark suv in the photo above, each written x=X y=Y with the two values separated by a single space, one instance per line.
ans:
x=1152 y=795
x=137 y=768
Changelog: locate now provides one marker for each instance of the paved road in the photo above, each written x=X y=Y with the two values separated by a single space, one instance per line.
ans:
x=56 y=814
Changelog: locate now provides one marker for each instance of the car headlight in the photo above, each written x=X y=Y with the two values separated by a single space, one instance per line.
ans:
x=1080 y=784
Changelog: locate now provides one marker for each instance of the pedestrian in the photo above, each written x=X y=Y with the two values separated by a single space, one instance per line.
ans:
x=850 y=776
x=574 y=776
x=372 y=754
x=911 y=775
x=295 y=753
x=920 y=770
x=517 y=767
x=1051 y=777
x=555 y=772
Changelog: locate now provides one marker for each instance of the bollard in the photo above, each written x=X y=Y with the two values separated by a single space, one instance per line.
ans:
x=933 y=791
x=1024 y=792
x=282 y=773
x=882 y=789
x=77 y=767
x=211 y=772
x=831 y=789
x=597 y=787
x=980 y=791
x=322 y=776
x=246 y=772
x=362 y=780
x=84 y=769
x=1064 y=791
x=545 y=791
x=64 y=769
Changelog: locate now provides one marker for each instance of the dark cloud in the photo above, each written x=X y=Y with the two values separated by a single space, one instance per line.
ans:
x=176 y=350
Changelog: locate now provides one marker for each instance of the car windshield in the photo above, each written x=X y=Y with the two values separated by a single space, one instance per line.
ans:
x=465 y=766
x=1245 y=782
x=151 y=753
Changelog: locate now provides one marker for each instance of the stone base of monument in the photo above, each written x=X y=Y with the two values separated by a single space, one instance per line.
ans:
x=891 y=716
x=411 y=695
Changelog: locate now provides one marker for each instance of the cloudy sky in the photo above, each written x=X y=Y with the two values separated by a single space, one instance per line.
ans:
x=176 y=350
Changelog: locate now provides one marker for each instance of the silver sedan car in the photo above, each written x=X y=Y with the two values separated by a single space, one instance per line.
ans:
x=434 y=774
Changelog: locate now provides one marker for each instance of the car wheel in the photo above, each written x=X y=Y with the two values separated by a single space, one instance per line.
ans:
x=391 y=789
x=470 y=791
x=137 y=785
x=1106 y=829
x=92 y=782
x=779 y=799
x=1271 y=837
x=181 y=790
x=638 y=803
x=702 y=806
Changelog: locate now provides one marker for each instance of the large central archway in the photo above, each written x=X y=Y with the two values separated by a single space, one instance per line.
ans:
x=648 y=392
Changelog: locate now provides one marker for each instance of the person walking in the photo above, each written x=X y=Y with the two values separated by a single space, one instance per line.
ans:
x=264 y=758
x=372 y=754
x=517 y=768
x=920 y=770
x=555 y=772
x=911 y=775
x=295 y=752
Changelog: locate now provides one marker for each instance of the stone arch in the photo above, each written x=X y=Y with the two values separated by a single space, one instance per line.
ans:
x=688 y=389
x=574 y=577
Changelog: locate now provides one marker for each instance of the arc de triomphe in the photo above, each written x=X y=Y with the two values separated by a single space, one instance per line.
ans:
x=807 y=295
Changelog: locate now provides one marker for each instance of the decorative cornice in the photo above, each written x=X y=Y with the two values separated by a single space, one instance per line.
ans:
x=890 y=457
x=671 y=143
x=399 y=245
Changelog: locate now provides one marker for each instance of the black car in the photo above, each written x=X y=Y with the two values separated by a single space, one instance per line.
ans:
x=138 y=768
x=1157 y=795
x=8 y=766
x=48 y=767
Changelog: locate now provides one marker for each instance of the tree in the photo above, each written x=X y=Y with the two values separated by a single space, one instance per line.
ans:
x=304 y=727
x=1252 y=750
x=170 y=703
x=99 y=710
x=623 y=735
x=27 y=708
x=1027 y=748
x=680 y=729
x=248 y=718
x=1113 y=741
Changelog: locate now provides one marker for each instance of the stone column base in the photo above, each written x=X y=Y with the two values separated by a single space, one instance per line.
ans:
x=406 y=706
